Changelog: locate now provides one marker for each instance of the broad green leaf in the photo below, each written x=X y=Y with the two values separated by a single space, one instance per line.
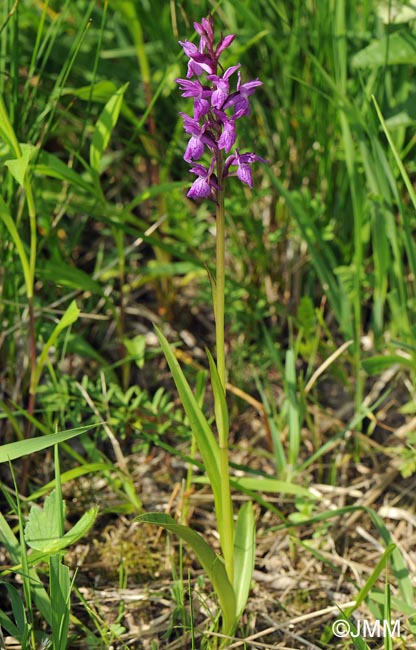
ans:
x=136 y=348
x=104 y=127
x=244 y=555
x=394 y=49
x=15 y=450
x=396 y=11
x=69 y=317
x=19 y=166
x=210 y=562
x=207 y=444
x=101 y=91
x=41 y=528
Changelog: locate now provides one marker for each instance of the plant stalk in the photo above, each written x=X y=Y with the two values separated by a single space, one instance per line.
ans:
x=227 y=527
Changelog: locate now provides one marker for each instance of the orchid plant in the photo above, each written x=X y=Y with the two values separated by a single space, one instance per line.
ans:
x=217 y=107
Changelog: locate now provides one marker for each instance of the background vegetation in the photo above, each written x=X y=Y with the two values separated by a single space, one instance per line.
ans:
x=98 y=243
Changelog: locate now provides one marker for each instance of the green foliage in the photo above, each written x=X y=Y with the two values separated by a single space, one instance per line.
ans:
x=98 y=242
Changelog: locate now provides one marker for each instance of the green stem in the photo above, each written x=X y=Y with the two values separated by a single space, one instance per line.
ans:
x=227 y=527
x=220 y=280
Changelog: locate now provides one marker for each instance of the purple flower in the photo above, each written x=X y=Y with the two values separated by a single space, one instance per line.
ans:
x=199 y=139
x=206 y=31
x=206 y=184
x=239 y=99
x=223 y=44
x=222 y=86
x=243 y=162
x=228 y=135
x=200 y=94
x=198 y=62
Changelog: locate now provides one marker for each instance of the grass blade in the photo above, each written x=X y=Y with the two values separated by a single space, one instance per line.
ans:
x=15 y=450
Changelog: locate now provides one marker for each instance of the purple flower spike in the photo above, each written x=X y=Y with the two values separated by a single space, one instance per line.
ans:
x=217 y=107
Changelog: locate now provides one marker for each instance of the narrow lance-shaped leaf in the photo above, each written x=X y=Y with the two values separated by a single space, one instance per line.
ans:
x=104 y=127
x=244 y=555
x=14 y=450
x=210 y=562
x=207 y=444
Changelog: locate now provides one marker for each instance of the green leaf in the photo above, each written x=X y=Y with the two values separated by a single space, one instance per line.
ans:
x=210 y=562
x=372 y=579
x=42 y=532
x=244 y=555
x=42 y=528
x=255 y=484
x=16 y=630
x=207 y=444
x=19 y=166
x=136 y=348
x=104 y=127
x=69 y=317
x=293 y=408
x=60 y=589
x=394 y=49
x=18 y=609
x=271 y=485
x=15 y=450
x=378 y=363
x=7 y=132
x=101 y=91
